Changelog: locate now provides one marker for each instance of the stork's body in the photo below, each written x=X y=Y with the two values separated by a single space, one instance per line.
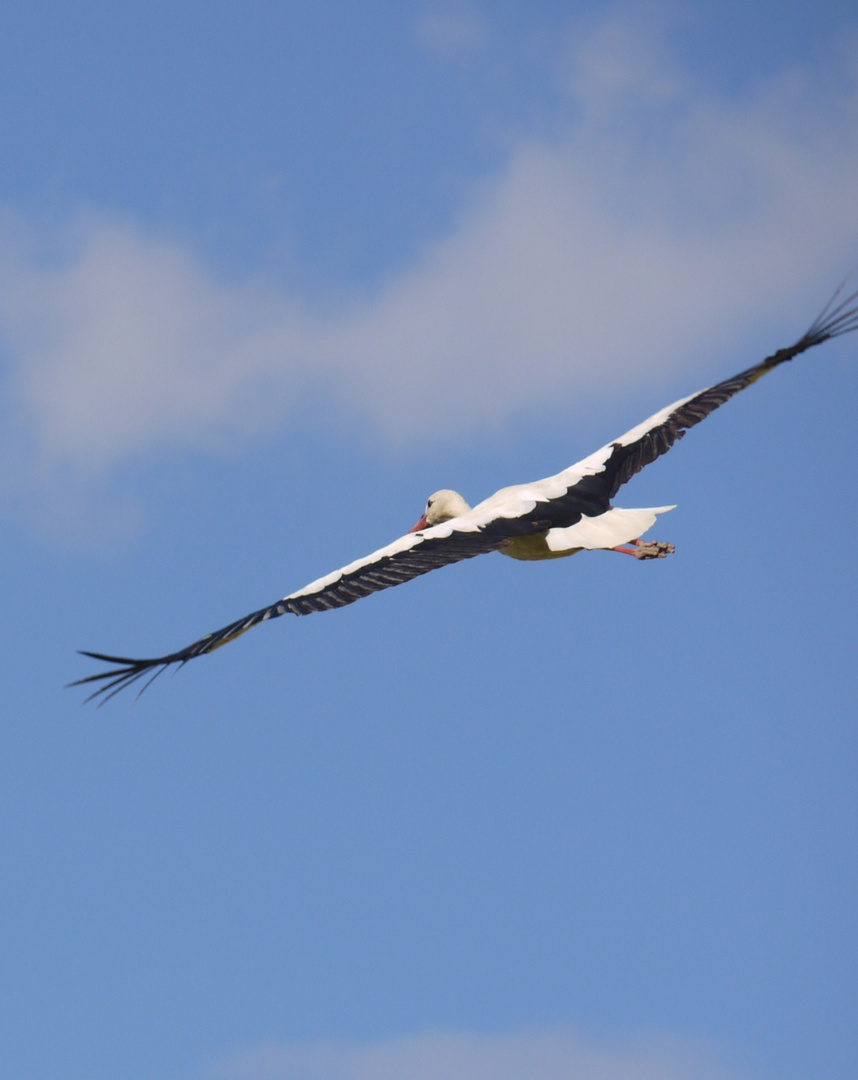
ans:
x=549 y=528
x=548 y=519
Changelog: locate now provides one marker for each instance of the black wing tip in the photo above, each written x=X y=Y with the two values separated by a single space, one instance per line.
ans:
x=128 y=671
x=838 y=317
x=108 y=659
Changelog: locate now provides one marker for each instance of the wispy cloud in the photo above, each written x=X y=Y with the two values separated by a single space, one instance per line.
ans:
x=658 y=225
x=527 y=1056
x=454 y=31
x=623 y=60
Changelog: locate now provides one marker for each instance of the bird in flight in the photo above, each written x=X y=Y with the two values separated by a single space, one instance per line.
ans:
x=547 y=519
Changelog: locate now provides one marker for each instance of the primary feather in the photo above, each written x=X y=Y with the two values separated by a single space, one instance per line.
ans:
x=562 y=513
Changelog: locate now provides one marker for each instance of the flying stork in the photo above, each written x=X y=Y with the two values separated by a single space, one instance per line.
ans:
x=547 y=519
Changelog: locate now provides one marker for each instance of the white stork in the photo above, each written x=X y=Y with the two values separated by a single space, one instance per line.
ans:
x=548 y=519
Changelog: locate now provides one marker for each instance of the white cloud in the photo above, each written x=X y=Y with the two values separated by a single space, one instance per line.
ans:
x=623 y=60
x=659 y=227
x=557 y=1055
x=452 y=32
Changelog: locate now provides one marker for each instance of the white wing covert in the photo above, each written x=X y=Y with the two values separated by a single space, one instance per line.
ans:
x=556 y=503
x=600 y=476
x=409 y=557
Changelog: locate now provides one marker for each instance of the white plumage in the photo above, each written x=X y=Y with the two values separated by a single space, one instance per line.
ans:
x=548 y=519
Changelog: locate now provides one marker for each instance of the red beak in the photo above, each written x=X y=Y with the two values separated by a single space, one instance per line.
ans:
x=421 y=524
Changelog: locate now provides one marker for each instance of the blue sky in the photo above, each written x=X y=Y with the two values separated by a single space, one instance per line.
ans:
x=269 y=275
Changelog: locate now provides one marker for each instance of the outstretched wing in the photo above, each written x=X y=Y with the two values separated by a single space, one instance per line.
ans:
x=599 y=477
x=409 y=557
x=585 y=488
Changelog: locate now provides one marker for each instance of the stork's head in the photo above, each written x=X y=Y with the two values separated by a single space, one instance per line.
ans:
x=442 y=506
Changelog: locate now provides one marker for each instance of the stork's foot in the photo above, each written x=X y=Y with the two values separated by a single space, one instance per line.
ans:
x=653 y=549
x=647 y=549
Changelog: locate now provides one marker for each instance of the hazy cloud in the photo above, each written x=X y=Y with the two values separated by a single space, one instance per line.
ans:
x=622 y=61
x=526 y=1056
x=658 y=227
x=453 y=32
